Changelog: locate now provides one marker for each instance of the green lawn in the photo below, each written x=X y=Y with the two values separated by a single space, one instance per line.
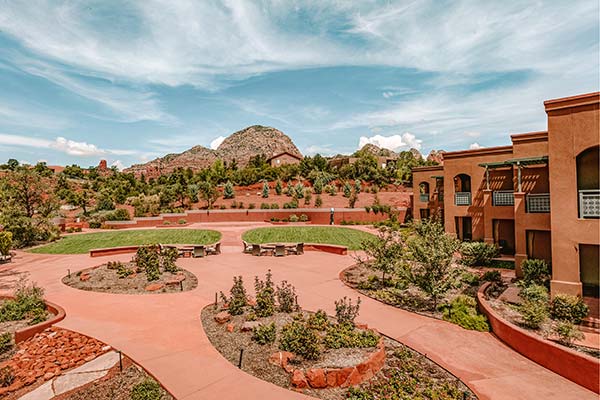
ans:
x=350 y=238
x=77 y=244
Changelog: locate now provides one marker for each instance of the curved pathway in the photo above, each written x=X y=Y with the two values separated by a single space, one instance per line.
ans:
x=163 y=332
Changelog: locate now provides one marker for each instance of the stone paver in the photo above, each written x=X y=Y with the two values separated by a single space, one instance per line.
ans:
x=163 y=332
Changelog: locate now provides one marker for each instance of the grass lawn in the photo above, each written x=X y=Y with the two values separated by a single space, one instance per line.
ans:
x=77 y=244
x=350 y=238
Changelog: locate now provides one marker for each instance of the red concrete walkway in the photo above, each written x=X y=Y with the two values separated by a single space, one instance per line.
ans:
x=163 y=332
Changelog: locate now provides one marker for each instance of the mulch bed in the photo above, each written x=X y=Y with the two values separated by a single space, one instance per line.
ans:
x=117 y=385
x=103 y=279
x=256 y=358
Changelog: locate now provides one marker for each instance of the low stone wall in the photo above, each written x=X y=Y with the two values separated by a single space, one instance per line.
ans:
x=315 y=215
x=30 y=331
x=111 y=251
x=320 y=378
x=575 y=366
x=327 y=248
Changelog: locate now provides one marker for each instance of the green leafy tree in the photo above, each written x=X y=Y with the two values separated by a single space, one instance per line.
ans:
x=5 y=242
x=384 y=253
x=208 y=193
x=278 y=187
x=432 y=251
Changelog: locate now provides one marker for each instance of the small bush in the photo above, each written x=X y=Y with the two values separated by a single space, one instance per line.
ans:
x=147 y=258
x=469 y=278
x=568 y=308
x=95 y=224
x=274 y=206
x=318 y=321
x=345 y=312
x=251 y=206
x=534 y=313
x=265 y=296
x=463 y=312
x=477 y=253
x=238 y=299
x=5 y=242
x=147 y=390
x=567 y=332
x=492 y=276
x=222 y=207
x=318 y=201
x=181 y=221
x=7 y=376
x=168 y=256
x=293 y=218
x=119 y=214
x=6 y=342
x=534 y=293
x=299 y=339
x=286 y=297
x=123 y=272
x=340 y=336
x=28 y=303
x=303 y=218
x=265 y=206
x=264 y=334
x=535 y=271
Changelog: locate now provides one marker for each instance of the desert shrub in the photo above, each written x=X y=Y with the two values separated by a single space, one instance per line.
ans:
x=238 y=299
x=222 y=207
x=7 y=376
x=567 y=332
x=228 y=192
x=265 y=190
x=318 y=321
x=293 y=218
x=119 y=214
x=240 y=205
x=147 y=258
x=265 y=296
x=535 y=271
x=318 y=186
x=368 y=209
x=340 y=336
x=469 y=278
x=330 y=189
x=477 y=253
x=274 y=206
x=492 y=276
x=347 y=189
x=286 y=297
x=345 y=311
x=28 y=303
x=95 y=224
x=114 y=265
x=251 y=206
x=352 y=200
x=534 y=293
x=251 y=316
x=148 y=389
x=265 y=206
x=181 y=221
x=307 y=196
x=291 y=204
x=264 y=334
x=299 y=339
x=463 y=312
x=5 y=342
x=278 y=187
x=303 y=218
x=565 y=307
x=168 y=256
x=533 y=313
x=318 y=201
x=123 y=272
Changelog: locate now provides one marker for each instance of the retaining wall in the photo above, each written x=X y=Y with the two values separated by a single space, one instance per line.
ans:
x=25 y=333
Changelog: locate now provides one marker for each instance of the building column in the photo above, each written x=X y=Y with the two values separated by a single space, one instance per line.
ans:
x=520 y=232
x=488 y=223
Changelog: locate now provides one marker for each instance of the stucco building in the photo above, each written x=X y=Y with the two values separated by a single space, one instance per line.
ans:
x=284 y=158
x=536 y=198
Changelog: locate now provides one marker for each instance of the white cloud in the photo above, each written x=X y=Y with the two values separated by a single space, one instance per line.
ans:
x=324 y=150
x=217 y=142
x=475 y=146
x=118 y=164
x=64 y=145
x=394 y=142
x=473 y=134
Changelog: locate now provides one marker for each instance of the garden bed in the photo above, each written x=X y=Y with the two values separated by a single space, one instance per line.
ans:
x=107 y=280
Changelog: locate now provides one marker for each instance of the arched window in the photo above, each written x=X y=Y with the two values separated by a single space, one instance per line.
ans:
x=588 y=182
x=462 y=190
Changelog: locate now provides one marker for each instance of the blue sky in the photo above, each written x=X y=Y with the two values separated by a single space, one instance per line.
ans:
x=128 y=81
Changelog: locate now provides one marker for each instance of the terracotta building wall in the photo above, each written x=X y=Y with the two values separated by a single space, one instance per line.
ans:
x=284 y=159
x=426 y=174
x=572 y=128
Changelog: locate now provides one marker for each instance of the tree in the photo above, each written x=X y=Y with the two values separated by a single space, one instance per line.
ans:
x=278 y=187
x=5 y=243
x=12 y=164
x=265 y=190
x=384 y=253
x=433 y=251
x=347 y=189
x=228 y=192
x=352 y=200
x=208 y=193
x=318 y=186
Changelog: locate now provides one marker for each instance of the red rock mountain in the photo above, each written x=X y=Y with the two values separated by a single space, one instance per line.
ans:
x=239 y=146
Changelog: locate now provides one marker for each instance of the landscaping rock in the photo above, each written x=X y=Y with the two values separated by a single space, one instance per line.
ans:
x=249 y=326
x=84 y=277
x=230 y=328
x=298 y=379
x=222 y=317
x=153 y=287
x=316 y=378
x=281 y=358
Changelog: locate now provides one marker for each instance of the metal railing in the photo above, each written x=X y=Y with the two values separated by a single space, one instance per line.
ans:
x=589 y=203
x=538 y=203
x=440 y=197
x=462 y=198
x=424 y=197
x=503 y=198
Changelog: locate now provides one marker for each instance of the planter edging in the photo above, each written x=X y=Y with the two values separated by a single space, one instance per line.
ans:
x=23 y=334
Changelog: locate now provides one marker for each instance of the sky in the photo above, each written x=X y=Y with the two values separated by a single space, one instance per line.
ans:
x=128 y=81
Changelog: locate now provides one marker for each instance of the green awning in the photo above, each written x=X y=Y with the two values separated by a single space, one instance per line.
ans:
x=496 y=164
x=529 y=160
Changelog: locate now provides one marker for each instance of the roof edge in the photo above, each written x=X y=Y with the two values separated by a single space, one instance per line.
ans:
x=572 y=101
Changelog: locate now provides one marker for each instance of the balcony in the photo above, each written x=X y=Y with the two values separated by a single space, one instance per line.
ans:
x=538 y=203
x=589 y=203
x=440 y=197
x=424 y=197
x=503 y=198
x=462 y=198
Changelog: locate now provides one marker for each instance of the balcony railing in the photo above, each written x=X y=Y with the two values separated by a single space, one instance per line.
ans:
x=589 y=203
x=538 y=203
x=424 y=197
x=440 y=196
x=462 y=198
x=503 y=198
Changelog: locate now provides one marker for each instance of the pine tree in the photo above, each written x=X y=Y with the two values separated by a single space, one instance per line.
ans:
x=228 y=192
x=278 y=187
x=347 y=190
x=265 y=190
x=318 y=186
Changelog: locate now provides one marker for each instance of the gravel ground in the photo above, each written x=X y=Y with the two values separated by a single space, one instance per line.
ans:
x=103 y=279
